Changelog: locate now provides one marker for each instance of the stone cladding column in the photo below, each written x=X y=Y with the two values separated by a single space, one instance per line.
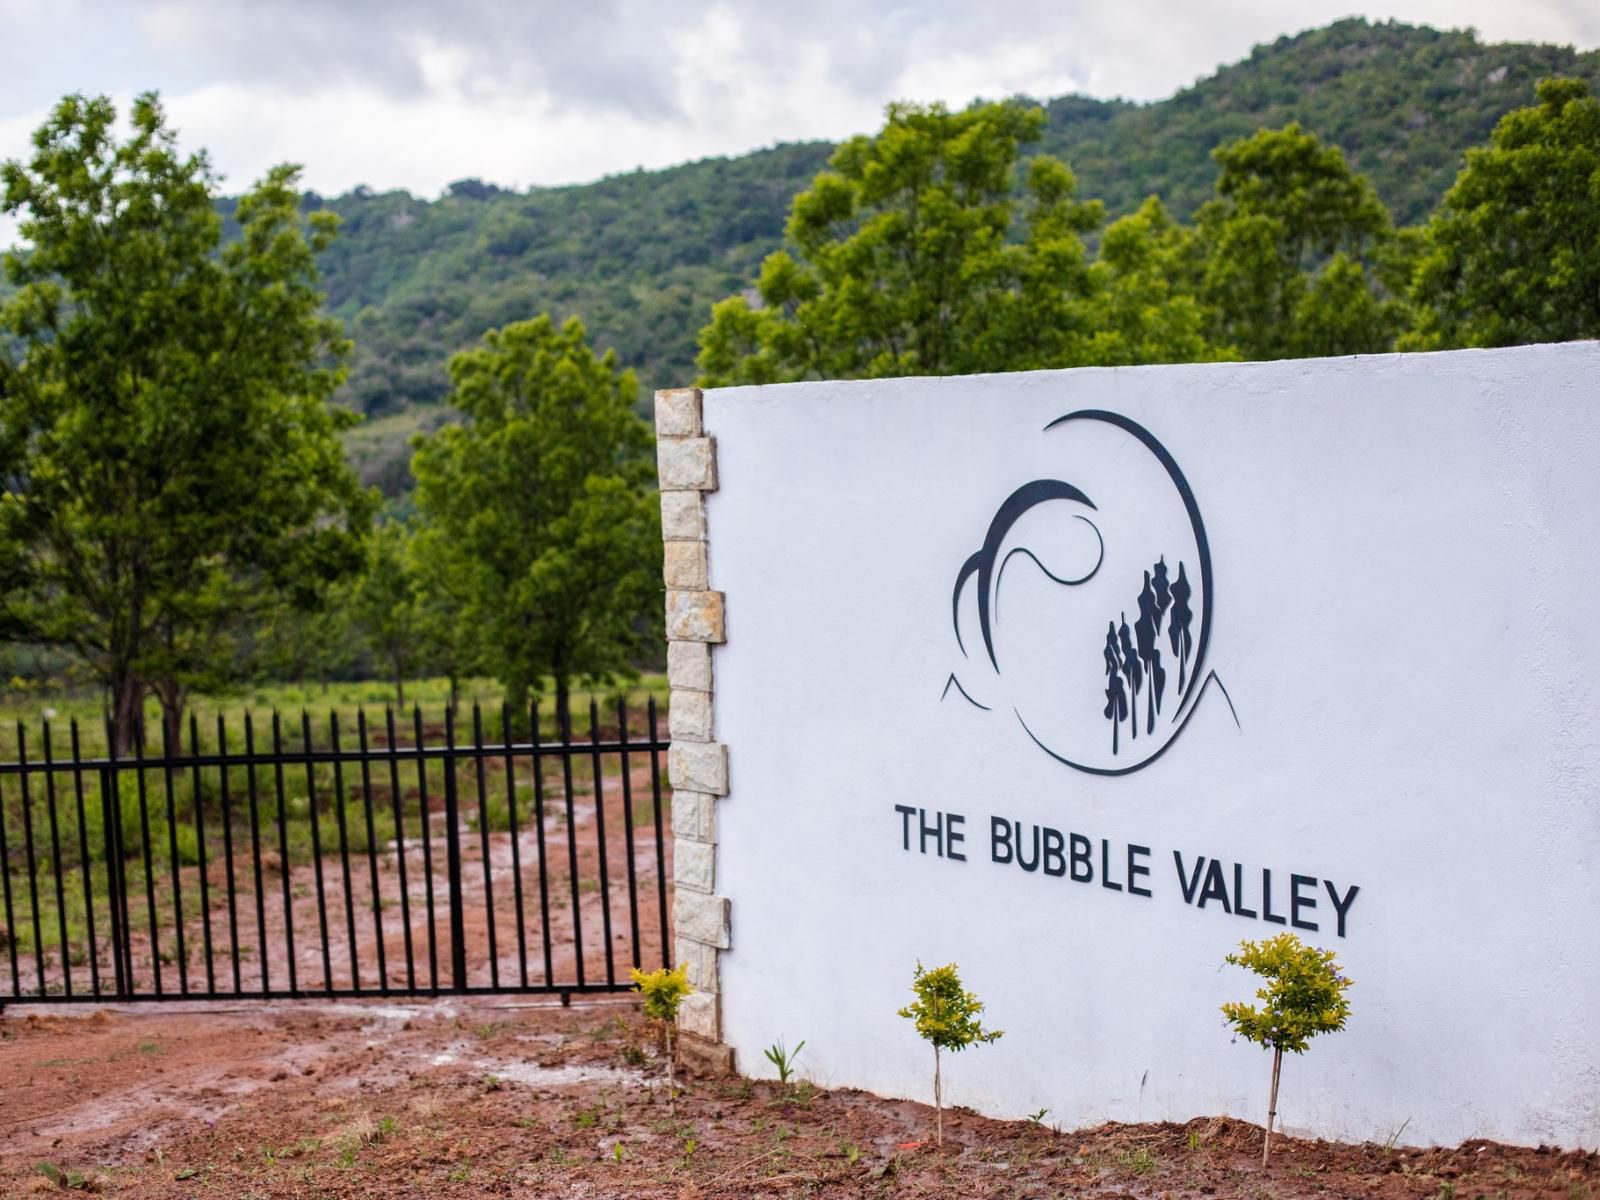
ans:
x=698 y=764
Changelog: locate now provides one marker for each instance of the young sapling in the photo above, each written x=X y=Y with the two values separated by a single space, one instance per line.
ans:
x=783 y=1059
x=663 y=991
x=946 y=1014
x=1303 y=996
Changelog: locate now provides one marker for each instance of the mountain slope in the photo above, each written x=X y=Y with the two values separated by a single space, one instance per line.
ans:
x=1403 y=102
x=641 y=257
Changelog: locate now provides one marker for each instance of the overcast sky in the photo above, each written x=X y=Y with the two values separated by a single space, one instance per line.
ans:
x=414 y=94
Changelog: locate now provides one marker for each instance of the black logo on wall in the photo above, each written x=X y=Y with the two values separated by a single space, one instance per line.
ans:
x=1110 y=591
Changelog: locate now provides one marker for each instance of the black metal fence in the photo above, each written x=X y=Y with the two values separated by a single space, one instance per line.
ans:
x=287 y=861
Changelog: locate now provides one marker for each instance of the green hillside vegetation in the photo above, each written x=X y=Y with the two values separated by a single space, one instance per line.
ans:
x=1403 y=103
x=642 y=257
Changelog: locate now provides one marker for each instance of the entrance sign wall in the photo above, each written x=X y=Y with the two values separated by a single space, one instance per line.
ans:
x=1077 y=678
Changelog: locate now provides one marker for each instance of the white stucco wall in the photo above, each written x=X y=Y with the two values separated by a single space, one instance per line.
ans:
x=1406 y=617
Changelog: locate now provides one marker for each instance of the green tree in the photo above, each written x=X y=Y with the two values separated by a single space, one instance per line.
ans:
x=1145 y=285
x=914 y=255
x=385 y=606
x=444 y=580
x=297 y=644
x=1290 y=245
x=1513 y=253
x=170 y=458
x=544 y=495
x=1304 y=996
x=946 y=1015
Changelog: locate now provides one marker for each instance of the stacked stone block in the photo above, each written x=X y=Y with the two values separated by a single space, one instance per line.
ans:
x=687 y=462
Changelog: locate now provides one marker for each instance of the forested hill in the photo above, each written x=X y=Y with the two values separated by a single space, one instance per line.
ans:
x=1402 y=102
x=641 y=257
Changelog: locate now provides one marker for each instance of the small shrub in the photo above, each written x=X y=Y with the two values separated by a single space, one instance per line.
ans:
x=663 y=992
x=1304 y=996
x=946 y=1014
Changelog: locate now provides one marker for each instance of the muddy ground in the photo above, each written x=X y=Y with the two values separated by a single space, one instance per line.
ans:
x=452 y=1100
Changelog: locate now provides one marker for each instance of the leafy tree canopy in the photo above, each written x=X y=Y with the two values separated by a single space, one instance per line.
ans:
x=1287 y=244
x=1303 y=994
x=912 y=257
x=1513 y=253
x=944 y=1012
x=543 y=496
x=384 y=604
x=171 y=460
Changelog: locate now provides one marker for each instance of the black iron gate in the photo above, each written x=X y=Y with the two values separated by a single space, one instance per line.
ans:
x=289 y=862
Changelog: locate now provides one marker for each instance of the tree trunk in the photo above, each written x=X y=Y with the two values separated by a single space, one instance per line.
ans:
x=127 y=711
x=672 y=1087
x=1272 y=1104
x=518 y=694
x=400 y=688
x=563 y=701
x=172 y=696
x=938 y=1103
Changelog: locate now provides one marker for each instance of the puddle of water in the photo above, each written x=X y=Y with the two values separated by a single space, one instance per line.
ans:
x=533 y=1075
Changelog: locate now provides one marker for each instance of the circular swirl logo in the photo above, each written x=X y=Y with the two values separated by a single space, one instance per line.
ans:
x=1105 y=583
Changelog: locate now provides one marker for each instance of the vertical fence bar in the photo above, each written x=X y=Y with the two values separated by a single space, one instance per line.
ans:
x=316 y=851
x=372 y=853
x=427 y=849
x=55 y=861
x=196 y=799
x=254 y=804
x=116 y=866
x=27 y=841
x=283 y=852
x=400 y=846
x=172 y=845
x=600 y=838
x=627 y=825
x=149 y=860
x=116 y=886
x=565 y=719
x=483 y=837
x=227 y=851
x=516 y=838
x=5 y=891
x=83 y=859
x=538 y=818
x=458 y=930
x=344 y=850
x=661 y=839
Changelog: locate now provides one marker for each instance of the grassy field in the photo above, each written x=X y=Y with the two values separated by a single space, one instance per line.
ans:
x=183 y=815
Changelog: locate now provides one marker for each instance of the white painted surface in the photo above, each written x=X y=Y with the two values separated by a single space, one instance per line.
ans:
x=1407 y=618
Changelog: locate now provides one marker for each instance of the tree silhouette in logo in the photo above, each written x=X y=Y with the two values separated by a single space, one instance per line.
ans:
x=1116 y=698
x=1145 y=630
x=1132 y=671
x=1179 y=633
x=1133 y=656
